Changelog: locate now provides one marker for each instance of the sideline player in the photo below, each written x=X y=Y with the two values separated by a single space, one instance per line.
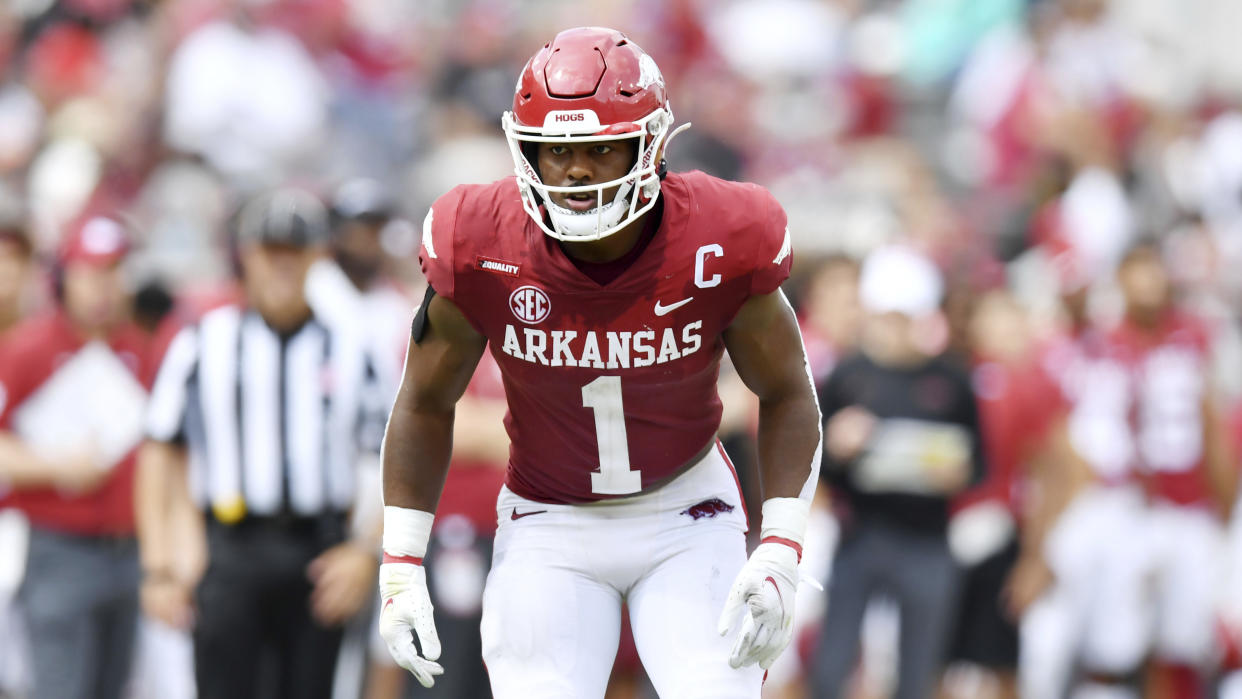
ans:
x=1180 y=446
x=608 y=291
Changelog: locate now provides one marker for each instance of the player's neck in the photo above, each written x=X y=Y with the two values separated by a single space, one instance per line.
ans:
x=608 y=249
x=91 y=328
x=1146 y=319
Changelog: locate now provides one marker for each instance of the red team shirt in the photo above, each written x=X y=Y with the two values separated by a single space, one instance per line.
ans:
x=611 y=388
x=1137 y=397
x=30 y=356
x=1017 y=406
x=1168 y=367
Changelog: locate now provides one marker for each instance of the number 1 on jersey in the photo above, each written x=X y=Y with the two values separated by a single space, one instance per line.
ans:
x=603 y=396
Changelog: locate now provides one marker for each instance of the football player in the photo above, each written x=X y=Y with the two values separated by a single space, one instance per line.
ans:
x=1182 y=451
x=1084 y=625
x=608 y=290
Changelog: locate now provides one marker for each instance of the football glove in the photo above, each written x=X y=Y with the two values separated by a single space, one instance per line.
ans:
x=406 y=610
x=764 y=590
x=405 y=605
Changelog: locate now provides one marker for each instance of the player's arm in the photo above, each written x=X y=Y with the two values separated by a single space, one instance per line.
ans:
x=1219 y=459
x=419 y=439
x=1056 y=473
x=21 y=467
x=443 y=352
x=766 y=347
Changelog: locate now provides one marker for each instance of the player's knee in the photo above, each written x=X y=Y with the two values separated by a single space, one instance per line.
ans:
x=712 y=680
x=1188 y=645
x=1121 y=657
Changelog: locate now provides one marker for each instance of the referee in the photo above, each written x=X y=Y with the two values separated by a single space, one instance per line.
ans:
x=261 y=410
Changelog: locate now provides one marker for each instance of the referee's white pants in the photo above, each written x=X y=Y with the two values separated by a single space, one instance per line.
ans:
x=552 y=604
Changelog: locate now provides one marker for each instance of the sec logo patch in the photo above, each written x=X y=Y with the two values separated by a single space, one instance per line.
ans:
x=530 y=304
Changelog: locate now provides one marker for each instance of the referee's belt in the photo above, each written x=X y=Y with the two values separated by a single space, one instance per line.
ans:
x=284 y=520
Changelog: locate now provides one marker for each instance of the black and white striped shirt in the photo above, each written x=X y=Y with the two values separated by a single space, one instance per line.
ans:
x=276 y=422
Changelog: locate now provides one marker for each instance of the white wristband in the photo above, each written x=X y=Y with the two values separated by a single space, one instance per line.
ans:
x=785 y=518
x=406 y=531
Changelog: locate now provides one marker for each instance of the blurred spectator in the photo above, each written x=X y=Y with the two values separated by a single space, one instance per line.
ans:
x=246 y=97
x=74 y=395
x=271 y=405
x=997 y=529
x=15 y=275
x=355 y=283
x=901 y=437
x=830 y=315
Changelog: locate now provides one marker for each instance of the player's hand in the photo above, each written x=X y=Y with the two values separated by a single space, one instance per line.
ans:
x=847 y=432
x=342 y=576
x=405 y=609
x=1029 y=578
x=764 y=593
x=168 y=599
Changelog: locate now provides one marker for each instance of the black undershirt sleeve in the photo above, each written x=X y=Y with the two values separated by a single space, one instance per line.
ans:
x=418 y=329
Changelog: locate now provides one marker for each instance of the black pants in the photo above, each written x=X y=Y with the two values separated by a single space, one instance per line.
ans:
x=914 y=569
x=254 y=635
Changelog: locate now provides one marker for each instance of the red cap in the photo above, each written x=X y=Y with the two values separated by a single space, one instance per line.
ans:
x=98 y=241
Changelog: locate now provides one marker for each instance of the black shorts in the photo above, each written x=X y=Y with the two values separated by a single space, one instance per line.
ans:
x=984 y=634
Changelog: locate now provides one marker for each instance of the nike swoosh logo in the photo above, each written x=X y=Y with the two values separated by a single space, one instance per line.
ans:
x=664 y=310
x=516 y=515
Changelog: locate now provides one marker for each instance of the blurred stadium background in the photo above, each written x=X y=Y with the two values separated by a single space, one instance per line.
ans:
x=1023 y=145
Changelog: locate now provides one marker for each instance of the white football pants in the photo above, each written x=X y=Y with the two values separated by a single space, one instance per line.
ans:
x=1188 y=555
x=552 y=603
x=1098 y=612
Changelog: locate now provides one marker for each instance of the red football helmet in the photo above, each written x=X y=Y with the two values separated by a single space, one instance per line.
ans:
x=589 y=84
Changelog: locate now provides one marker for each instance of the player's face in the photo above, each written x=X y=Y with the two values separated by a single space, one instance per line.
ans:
x=577 y=164
x=358 y=250
x=94 y=295
x=1144 y=281
x=888 y=337
x=998 y=328
x=275 y=277
x=834 y=305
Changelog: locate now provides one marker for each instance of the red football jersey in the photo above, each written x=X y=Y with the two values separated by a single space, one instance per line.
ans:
x=611 y=388
x=1095 y=384
x=1017 y=406
x=1168 y=366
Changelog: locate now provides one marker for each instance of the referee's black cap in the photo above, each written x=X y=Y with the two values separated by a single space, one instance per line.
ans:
x=362 y=199
x=284 y=216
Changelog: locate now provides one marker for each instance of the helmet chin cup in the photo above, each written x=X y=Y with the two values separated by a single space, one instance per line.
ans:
x=596 y=223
